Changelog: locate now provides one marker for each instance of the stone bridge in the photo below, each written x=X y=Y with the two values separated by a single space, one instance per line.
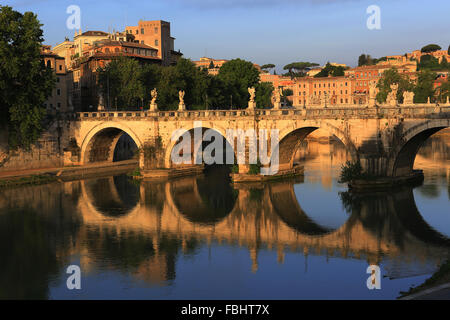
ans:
x=384 y=138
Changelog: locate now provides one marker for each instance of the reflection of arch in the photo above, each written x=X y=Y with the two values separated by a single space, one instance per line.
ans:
x=172 y=142
x=402 y=161
x=202 y=200
x=291 y=138
x=393 y=215
x=100 y=142
x=117 y=196
x=286 y=206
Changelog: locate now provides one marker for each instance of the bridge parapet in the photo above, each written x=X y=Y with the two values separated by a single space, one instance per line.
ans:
x=413 y=111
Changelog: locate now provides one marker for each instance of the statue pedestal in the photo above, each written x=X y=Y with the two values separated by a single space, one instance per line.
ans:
x=277 y=105
x=251 y=105
x=153 y=107
x=372 y=102
x=181 y=107
x=393 y=103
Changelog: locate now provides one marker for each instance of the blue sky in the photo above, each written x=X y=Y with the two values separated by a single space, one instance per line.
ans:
x=263 y=31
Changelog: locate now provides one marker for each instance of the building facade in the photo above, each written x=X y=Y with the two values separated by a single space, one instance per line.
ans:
x=156 y=34
x=58 y=100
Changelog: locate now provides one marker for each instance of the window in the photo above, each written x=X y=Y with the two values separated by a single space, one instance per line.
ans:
x=142 y=41
x=57 y=79
x=60 y=67
x=137 y=31
x=156 y=43
x=156 y=30
x=58 y=92
x=49 y=64
x=142 y=30
x=59 y=105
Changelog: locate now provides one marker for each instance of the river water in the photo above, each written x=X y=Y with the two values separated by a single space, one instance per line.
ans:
x=201 y=238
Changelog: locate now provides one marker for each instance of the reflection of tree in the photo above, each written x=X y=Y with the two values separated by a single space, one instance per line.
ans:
x=34 y=245
x=130 y=252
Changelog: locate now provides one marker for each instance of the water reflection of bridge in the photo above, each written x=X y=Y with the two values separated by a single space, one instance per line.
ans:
x=387 y=224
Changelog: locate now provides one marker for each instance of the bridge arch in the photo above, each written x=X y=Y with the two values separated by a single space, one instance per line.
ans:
x=291 y=137
x=190 y=129
x=100 y=142
x=401 y=162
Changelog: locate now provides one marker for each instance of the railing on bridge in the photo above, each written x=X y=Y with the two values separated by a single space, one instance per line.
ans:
x=412 y=111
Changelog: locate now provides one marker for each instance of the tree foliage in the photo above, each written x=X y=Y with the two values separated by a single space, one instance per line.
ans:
x=237 y=76
x=390 y=77
x=428 y=62
x=367 y=60
x=298 y=69
x=120 y=82
x=430 y=48
x=424 y=88
x=128 y=83
x=444 y=91
x=263 y=95
x=25 y=81
x=330 y=70
x=267 y=66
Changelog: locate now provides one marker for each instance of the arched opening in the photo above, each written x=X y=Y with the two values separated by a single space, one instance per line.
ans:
x=304 y=144
x=202 y=146
x=110 y=145
x=406 y=156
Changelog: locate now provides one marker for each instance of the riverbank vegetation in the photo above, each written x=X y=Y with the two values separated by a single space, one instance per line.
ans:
x=30 y=180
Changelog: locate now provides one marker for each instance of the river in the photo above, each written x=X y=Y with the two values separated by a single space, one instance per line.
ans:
x=201 y=238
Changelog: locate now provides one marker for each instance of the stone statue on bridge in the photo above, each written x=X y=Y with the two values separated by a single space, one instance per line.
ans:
x=373 y=91
x=408 y=98
x=153 y=105
x=181 y=105
x=277 y=97
x=252 y=94
x=251 y=102
x=392 y=96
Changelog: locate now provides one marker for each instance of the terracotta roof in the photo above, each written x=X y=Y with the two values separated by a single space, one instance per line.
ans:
x=94 y=33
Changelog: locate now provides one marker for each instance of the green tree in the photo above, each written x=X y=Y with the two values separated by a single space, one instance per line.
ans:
x=268 y=66
x=444 y=91
x=363 y=60
x=390 y=77
x=263 y=95
x=428 y=62
x=330 y=70
x=424 y=87
x=237 y=76
x=25 y=82
x=121 y=83
x=430 y=48
x=301 y=68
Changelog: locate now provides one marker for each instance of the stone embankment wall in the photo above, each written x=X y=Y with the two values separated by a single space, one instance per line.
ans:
x=45 y=153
